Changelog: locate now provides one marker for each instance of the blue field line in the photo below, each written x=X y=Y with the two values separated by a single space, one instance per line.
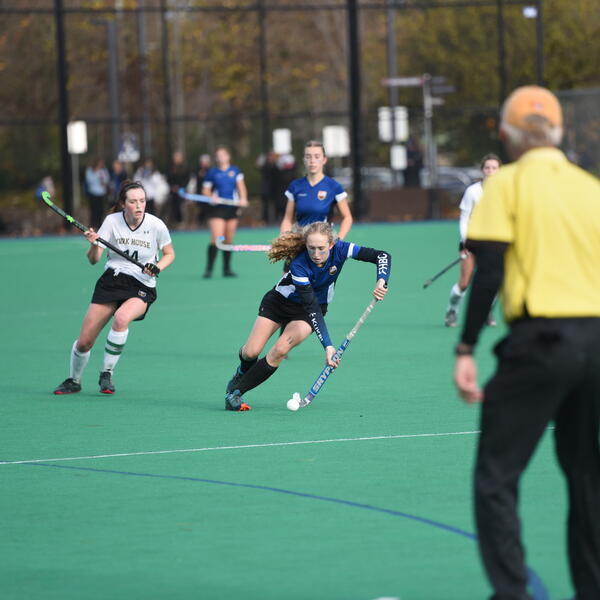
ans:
x=537 y=587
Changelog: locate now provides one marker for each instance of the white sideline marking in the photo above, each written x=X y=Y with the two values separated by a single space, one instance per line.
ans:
x=269 y=445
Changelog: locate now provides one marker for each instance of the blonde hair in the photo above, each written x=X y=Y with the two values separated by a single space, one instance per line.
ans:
x=291 y=243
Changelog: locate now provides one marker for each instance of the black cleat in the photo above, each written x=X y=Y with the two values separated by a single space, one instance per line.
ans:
x=105 y=383
x=234 y=381
x=235 y=401
x=207 y=274
x=68 y=386
x=229 y=273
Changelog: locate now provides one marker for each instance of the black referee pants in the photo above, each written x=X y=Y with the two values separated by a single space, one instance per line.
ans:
x=548 y=371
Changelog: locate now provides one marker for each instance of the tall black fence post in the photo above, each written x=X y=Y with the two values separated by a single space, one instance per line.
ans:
x=502 y=72
x=265 y=114
x=356 y=138
x=63 y=106
x=539 y=34
x=166 y=81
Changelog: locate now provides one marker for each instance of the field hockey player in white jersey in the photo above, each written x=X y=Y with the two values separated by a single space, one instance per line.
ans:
x=313 y=197
x=489 y=164
x=124 y=292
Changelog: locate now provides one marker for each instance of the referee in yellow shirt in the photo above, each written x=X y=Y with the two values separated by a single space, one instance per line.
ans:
x=536 y=233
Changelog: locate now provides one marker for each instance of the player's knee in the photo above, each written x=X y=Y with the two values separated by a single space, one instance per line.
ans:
x=84 y=344
x=250 y=351
x=279 y=351
x=121 y=321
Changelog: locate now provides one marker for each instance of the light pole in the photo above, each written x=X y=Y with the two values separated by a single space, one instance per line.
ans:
x=392 y=69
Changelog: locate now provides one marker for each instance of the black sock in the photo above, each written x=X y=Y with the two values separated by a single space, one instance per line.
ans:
x=211 y=255
x=259 y=373
x=226 y=260
x=246 y=364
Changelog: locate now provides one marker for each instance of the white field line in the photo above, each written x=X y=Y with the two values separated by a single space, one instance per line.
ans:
x=245 y=446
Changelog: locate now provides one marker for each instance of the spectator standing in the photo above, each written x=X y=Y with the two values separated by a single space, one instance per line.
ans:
x=117 y=176
x=271 y=191
x=97 y=179
x=178 y=176
x=414 y=164
x=45 y=185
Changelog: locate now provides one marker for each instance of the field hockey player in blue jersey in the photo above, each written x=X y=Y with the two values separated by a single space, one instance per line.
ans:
x=223 y=181
x=313 y=197
x=299 y=302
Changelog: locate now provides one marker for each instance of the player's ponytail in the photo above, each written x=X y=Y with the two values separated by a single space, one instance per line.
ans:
x=291 y=243
x=287 y=246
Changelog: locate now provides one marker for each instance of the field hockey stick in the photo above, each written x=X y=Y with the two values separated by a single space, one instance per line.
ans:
x=46 y=198
x=298 y=402
x=454 y=262
x=207 y=199
x=241 y=247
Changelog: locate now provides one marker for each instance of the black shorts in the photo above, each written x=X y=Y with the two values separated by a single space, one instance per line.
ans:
x=221 y=211
x=278 y=308
x=118 y=288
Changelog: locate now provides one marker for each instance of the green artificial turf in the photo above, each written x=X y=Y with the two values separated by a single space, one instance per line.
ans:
x=173 y=497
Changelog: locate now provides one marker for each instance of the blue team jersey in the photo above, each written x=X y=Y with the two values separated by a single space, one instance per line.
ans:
x=224 y=182
x=314 y=202
x=303 y=271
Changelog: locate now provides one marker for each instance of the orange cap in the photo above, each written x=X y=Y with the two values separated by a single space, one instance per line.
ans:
x=531 y=100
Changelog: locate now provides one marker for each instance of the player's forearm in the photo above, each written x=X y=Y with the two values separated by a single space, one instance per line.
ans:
x=94 y=253
x=167 y=258
x=381 y=258
x=288 y=217
x=313 y=310
x=242 y=192
x=345 y=225
x=486 y=283
x=286 y=225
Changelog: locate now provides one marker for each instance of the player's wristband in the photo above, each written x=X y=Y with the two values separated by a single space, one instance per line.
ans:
x=462 y=349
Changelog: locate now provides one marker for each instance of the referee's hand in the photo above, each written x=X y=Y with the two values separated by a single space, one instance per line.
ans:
x=465 y=379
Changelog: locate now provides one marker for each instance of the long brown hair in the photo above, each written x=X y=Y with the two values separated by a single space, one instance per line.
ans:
x=127 y=185
x=291 y=243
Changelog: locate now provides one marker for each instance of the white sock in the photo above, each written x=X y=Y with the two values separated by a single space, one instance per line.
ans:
x=113 y=348
x=78 y=362
x=456 y=295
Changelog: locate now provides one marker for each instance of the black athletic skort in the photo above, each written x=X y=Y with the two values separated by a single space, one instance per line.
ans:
x=221 y=211
x=278 y=308
x=118 y=288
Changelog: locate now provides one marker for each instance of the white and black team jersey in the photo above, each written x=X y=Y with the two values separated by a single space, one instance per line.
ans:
x=470 y=199
x=142 y=243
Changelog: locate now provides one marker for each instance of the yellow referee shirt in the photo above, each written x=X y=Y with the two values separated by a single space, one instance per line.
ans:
x=548 y=210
